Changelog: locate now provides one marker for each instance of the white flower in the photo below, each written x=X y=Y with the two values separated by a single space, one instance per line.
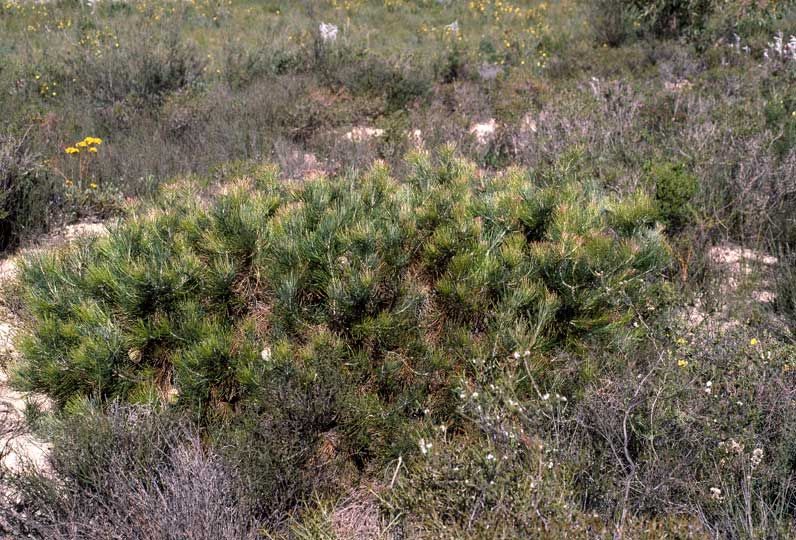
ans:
x=425 y=447
x=484 y=132
x=328 y=32
x=265 y=354
x=545 y=397
x=516 y=355
x=715 y=494
x=363 y=133
x=757 y=457
x=490 y=457
x=453 y=27
x=736 y=447
x=780 y=49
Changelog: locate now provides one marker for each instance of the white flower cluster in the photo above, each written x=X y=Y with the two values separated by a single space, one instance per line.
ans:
x=425 y=447
x=781 y=50
x=757 y=457
x=328 y=32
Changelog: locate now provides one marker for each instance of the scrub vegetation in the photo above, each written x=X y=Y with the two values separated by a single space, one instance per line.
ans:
x=402 y=268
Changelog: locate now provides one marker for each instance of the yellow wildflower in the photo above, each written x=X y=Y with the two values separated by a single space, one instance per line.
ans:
x=82 y=144
x=93 y=149
x=682 y=363
x=92 y=185
x=753 y=342
x=72 y=150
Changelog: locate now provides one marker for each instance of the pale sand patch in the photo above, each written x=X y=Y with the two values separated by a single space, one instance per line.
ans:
x=737 y=267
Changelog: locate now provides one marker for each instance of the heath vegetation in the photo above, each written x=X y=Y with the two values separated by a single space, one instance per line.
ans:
x=401 y=269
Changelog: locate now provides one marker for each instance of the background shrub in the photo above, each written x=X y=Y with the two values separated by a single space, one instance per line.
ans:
x=612 y=21
x=675 y=17
x=28 y=191
x=134 y=70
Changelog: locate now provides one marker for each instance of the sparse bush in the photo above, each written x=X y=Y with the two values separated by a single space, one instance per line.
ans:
x=398 y=81
x=27 y=191
x=612 y=21
x=674 y=17
x=130 y=473
x=137 y=70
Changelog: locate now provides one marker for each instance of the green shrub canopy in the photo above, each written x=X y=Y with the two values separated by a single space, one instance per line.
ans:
x=376 y=287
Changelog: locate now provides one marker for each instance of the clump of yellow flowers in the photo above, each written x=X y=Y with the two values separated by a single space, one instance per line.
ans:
x=89 y=144
x=81 y=168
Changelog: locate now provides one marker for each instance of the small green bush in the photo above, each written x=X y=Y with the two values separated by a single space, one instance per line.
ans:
x=138 y=68
x=780 y=118
x=612 y=21
x=675 y=186
x=399 y=81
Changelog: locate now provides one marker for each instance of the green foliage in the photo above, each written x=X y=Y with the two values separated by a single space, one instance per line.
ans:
x=674 y=17
x=137 y=69
x=675 y=186
x=404 y=279
x=398 y=81
x=780 y=114
x=612 y=21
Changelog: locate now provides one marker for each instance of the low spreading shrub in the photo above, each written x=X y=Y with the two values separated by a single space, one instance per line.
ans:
x=136 y=69
x=674 y=17
x=613 y=22
x=396 y=282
